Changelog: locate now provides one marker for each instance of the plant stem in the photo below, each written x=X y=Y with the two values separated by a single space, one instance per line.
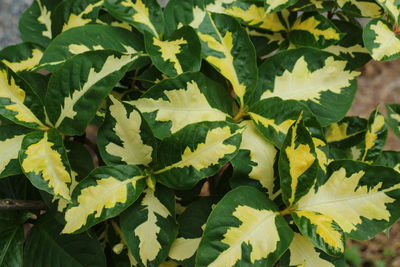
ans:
x=13 y=204
x=286 y=211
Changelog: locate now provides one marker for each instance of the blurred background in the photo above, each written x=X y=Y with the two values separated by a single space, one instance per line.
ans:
x=379 y=84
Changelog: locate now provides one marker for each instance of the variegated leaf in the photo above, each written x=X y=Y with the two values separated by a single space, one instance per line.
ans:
x=227 y=47
x=188 y=98
x=44 y=161
x=381 y=41
x=322 y=230
x=177 y=54
x=297 y=163
x=343 y=132
x=301 y=252
x=196 y=152
x=245 y=228
x=74 y=13
x=255 y=159
x=18 y=102
x=313 y=5
x=149 y=226
x=89 y=38
x=350 y=46
x=362 y=199
x=389 y=159
x=314 y=30
x=361 y=8
x=392 y=7
x=119 y=186
x=191 y=225
x=35 y=23
x=21 y=57
x=393 y=118
x=145 y=15
x=277 y=5
x=273 y=118
x=77 y=89
x=319 y=79
x=264 y=42
x=375 y=137
x=11 y=136
x=124 y=137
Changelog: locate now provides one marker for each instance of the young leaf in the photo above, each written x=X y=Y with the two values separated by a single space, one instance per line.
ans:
x=392 y=7
x=244 y=228
x=20 y=57
x=89 y=38
x=380 y=40
x=393 y=118
x=11 y=238
x=119 y=186
x=177 y=54
x=18 y=102
x=35 y=23
x=46 y=247
x=319 y=79
x=195 y=152
x=44 y=161
x=256 y=158
x=188 y=98
x=191 y=224
x=145 y=15
x=77 y=89
x=297 y=163
x=322 y=230
x=314 y=30
x=374 y=138
x=11 y=136
x=362 y=199
x=124 y=137
x=227 y=47
x=361 y=8
x=149 y=226
x=302 y=252
x=74 y=13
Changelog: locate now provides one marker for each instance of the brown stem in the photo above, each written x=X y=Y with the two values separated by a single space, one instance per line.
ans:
x=13 y=204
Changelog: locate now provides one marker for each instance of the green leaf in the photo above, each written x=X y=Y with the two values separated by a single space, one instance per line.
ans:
x=380 y=40
x=11 y=136
x=119 y=186
x=46 y=247
x=124 y=137
x=362 y=199
x=350 y=46
x=18 y=102
x=227 y=47
x=245 y=228
x=273 y=118
x=80 y=159
x=20 y=57
x=314 y=30
x=375 y=137
x=149 y=226
x=35 y=23
x=297 y=163
x=318 y=79
x=188 y=98
x=177 y=54
x=322 y=230
x=389 y=159
x=393 y=118
x=265 y=42
x=89 y=38
x=361 y=8
x=74 y=13
x=195 y=152
x=191 y=223
x=77 y=89
x=255 y=159
x=145 y=15
x=301 y=252
x=11 y=238
x=44 y=161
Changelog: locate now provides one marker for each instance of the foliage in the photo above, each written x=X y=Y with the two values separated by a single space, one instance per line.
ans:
x=205 y=133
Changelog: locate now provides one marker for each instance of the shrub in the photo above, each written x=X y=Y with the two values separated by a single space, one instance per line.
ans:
x=205 y=133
